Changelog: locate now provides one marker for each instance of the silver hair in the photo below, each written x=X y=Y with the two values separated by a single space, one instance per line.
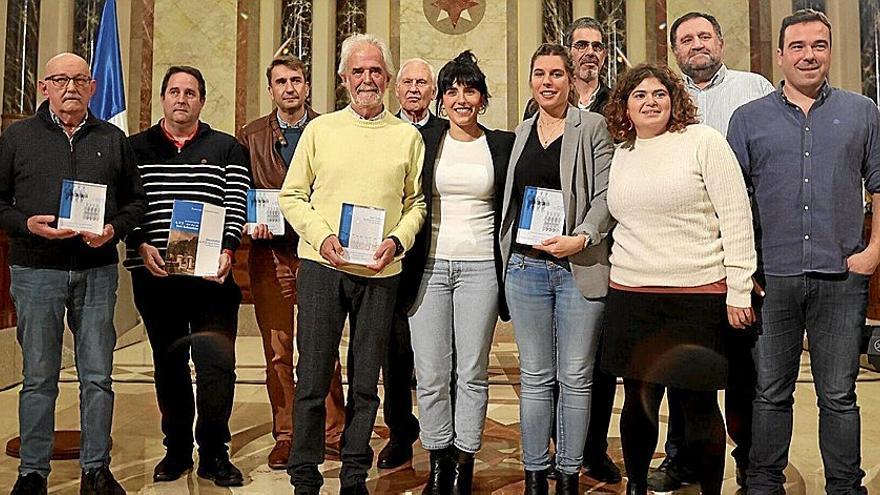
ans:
x=353 y=41
x=420 y=61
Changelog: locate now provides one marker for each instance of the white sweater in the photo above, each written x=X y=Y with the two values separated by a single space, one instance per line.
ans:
x=683 y=214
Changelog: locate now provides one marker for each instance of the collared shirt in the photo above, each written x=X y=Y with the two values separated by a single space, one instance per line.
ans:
x=727 y=90
x=405 y=117
x=178 y=143
x=805 y=173
x=57 y=120
x=299 y=124
x=380 y=116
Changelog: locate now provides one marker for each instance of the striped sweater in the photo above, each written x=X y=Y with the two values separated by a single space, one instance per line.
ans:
x=211 y=168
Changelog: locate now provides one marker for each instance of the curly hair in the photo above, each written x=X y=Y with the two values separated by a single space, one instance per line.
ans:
x=683 y=112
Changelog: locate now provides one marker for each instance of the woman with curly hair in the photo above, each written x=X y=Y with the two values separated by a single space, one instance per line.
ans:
x=556 y=285
x=681 y=268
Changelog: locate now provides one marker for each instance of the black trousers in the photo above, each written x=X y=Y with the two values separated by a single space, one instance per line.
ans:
x=738 y=397
x=191 y=317
x=604 y=388
x=704 y=432
x=325 y=298
x=397 y=373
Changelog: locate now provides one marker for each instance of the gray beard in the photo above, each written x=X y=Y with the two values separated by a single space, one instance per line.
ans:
x=700 y=74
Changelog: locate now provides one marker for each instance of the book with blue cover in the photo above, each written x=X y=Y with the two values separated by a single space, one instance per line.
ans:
x=263 y=208
x=541 y=217
x=195 y=239
x=361 y=231
x=82 y=206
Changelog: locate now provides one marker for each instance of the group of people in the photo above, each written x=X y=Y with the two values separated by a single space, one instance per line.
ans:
x=707 y=221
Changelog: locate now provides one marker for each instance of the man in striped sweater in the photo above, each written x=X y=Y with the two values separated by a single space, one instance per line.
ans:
x=182 y=158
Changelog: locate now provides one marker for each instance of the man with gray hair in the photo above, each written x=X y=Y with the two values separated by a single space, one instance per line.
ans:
x=416 y=88
x=377 y=173
x=585 y=39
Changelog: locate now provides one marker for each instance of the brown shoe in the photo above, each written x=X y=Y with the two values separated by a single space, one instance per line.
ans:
x=278 y=456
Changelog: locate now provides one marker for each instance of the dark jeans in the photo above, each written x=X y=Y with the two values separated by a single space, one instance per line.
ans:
x=738 y=398
x=187 y=315
x=832 y=309
x=326 y=297
x=704 y=431
x=397 y=372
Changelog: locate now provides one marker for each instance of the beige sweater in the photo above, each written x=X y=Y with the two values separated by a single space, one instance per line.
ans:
x=683 y=214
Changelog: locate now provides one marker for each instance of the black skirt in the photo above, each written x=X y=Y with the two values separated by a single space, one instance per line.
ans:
x=668 y=339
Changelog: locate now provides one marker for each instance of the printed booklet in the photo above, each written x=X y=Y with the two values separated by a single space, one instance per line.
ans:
x=542 y=215
x=360 y=232
x=196 y=238
x=82 y=206
x=262 y=207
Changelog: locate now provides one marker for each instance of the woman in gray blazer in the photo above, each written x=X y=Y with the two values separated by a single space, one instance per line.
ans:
x=553 y=241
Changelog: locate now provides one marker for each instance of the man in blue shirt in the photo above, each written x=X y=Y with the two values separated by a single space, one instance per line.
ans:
x=805 y=150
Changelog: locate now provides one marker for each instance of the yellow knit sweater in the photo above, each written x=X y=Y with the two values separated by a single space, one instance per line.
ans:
x=343 y=159
x=683 y=215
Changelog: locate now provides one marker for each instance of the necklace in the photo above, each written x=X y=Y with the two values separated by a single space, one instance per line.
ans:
x=549 y=132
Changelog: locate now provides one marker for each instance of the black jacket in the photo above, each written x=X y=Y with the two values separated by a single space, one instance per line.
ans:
x=500 y=146
x=35 y=157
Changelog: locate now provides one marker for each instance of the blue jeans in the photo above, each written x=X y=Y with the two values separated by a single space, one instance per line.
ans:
x=41 y=297
x=832 y=309
x=557 y=333
x=455 y=314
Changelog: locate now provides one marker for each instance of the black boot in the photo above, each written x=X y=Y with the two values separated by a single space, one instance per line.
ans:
x=463 y=472
x=536 y=483
x=567 y=484
x=442 y=471
x=633 y=488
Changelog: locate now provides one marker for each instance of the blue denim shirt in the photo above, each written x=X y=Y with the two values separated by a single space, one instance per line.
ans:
x=805 y=174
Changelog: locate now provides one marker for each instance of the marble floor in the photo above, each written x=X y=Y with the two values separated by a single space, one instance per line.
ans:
x=137 y=444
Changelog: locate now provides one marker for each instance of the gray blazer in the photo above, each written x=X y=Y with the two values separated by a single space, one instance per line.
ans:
x=585 y=164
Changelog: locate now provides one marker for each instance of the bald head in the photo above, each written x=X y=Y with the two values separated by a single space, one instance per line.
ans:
x=68 y=86
x=66 y=61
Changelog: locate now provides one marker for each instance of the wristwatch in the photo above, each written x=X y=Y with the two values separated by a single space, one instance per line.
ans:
x=398 y=245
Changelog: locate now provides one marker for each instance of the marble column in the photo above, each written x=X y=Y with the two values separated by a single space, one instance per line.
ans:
x=351 y=18
x=556 y=18
x=655 y=28
x=296 y=31
x=20 y=72
x=869 y=20
x=86 y=18
x=612 y=15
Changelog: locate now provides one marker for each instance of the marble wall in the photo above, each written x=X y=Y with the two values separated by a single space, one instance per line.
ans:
x=733 y=15
x=185 y=32
x=869 y=11
x=557 y=16
x=489 y=41
x=296 y=30
x=351 y=18
x=20 y=63
x=612 y=15
x=86 y=18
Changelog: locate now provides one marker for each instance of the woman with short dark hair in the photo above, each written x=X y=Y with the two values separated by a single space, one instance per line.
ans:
x=453 y=274
x=681 y=268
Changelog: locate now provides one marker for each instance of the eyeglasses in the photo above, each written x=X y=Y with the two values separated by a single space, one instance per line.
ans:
x=419 y=83
x=61 y=81
x=582 y=45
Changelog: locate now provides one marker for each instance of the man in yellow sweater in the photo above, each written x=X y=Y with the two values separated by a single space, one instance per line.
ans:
x=368 y=160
